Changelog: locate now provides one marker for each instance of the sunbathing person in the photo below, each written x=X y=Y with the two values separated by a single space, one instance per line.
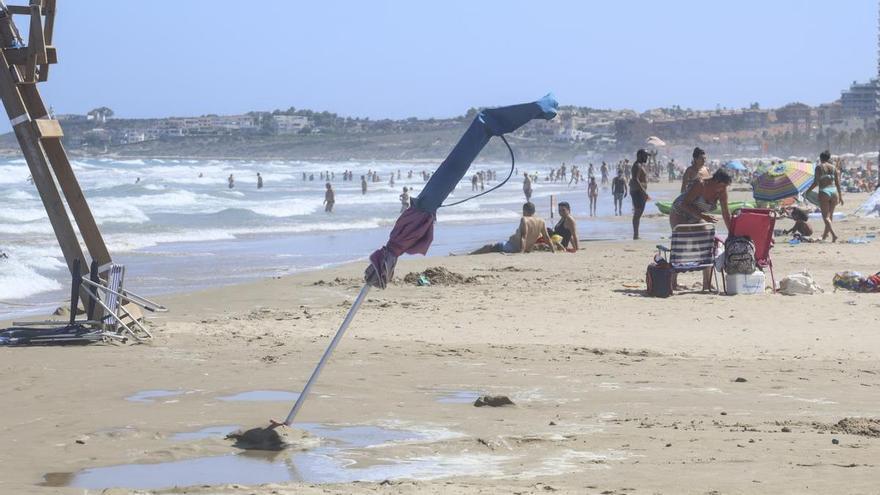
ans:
x=566 y=228
x=531 y=228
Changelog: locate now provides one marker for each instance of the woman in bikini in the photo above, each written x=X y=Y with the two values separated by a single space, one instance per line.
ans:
x=693 y=206
x=827 y=179
x=566 y=228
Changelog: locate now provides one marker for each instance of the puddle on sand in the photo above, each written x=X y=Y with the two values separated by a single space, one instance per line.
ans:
x=150 y=395
x=334 y=462
x=263 y=395
x=458 y=397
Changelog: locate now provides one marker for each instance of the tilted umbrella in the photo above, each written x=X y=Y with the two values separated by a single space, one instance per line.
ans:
x=414 y=230
x=783 y=180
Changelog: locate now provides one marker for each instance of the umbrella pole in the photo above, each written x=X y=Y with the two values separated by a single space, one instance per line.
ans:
x=339 y=333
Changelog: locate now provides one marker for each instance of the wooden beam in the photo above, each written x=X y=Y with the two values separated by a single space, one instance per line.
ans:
x=19 y=9
x=73 y=193
x=42 y=176
x=49 y=12
x=18 y=56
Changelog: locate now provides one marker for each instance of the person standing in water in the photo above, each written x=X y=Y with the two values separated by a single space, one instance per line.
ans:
x=259 y=181
x=363 y=185
x=593 y=193
x=604 y=171
x=231 y=181
x=404 y=200
x=618 y=190
x=329 y=198
x=527 y=186
x=827 y=179
x=638 y=190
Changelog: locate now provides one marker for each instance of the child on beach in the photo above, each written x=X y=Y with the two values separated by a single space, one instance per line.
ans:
x=801 y=228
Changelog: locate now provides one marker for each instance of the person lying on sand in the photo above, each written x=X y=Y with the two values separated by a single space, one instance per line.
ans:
x=531 y=228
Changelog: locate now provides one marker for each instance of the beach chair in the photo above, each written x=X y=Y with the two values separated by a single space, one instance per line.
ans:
x=757 y=224
x=693 y=248
x=72 y=331
x=117 y=318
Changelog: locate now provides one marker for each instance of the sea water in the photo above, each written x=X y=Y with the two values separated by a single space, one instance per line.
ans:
x=181 y=228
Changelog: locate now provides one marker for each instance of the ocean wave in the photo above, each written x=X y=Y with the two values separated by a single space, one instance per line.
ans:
x=18 y=281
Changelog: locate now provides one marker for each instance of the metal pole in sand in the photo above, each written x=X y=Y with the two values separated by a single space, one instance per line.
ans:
x=339 y=333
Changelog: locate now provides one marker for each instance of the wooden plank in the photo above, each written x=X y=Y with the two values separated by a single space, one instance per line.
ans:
x=49 y=12
x=79 y=207
x=19 y=9
x=48 y=128
x=39 y=168
x=18 y=56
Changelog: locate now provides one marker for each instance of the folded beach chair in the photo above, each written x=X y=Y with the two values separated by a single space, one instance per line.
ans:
x=693 y=248
x=118 y=318
x=757 y=224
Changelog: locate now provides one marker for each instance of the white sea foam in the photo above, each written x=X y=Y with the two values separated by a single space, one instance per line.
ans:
x=18 y=281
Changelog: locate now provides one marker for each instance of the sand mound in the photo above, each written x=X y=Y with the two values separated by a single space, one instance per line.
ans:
x=438 y=275
x=269 y=438
x=866 y=427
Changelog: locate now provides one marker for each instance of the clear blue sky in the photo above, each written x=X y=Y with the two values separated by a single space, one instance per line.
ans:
x=418 y=58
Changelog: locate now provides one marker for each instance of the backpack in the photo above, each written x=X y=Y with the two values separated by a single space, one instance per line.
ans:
x=659 y=279
x=739 y=255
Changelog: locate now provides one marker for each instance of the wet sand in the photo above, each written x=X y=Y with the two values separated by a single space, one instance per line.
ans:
x=614 y=392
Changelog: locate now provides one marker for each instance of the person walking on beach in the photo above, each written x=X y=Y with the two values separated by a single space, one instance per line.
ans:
x=404 y=200
x=363 y=185
x=474 y=181
x=638 y=190
x=670 y=170
x=527 y=186
x=531 y=228
x=231 y=181
x=329 y=198
x=593 y=193
x=827 y=179
x=618 y=191
x=604 y=170
x=259 y=181
x=697 y=171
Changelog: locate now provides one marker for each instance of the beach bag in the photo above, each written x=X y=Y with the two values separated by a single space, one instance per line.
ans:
x=739 y=255
x=799 y=283
x=659 y=279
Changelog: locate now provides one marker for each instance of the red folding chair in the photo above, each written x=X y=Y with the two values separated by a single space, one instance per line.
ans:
x=757 y=224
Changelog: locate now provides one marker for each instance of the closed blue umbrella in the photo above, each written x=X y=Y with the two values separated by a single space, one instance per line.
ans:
x=414 y=230
x=736 y=165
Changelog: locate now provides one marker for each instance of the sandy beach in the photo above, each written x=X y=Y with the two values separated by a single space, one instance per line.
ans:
x=614 y=392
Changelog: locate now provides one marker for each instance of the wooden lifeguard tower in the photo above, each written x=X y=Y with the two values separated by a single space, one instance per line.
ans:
x=96 y=280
